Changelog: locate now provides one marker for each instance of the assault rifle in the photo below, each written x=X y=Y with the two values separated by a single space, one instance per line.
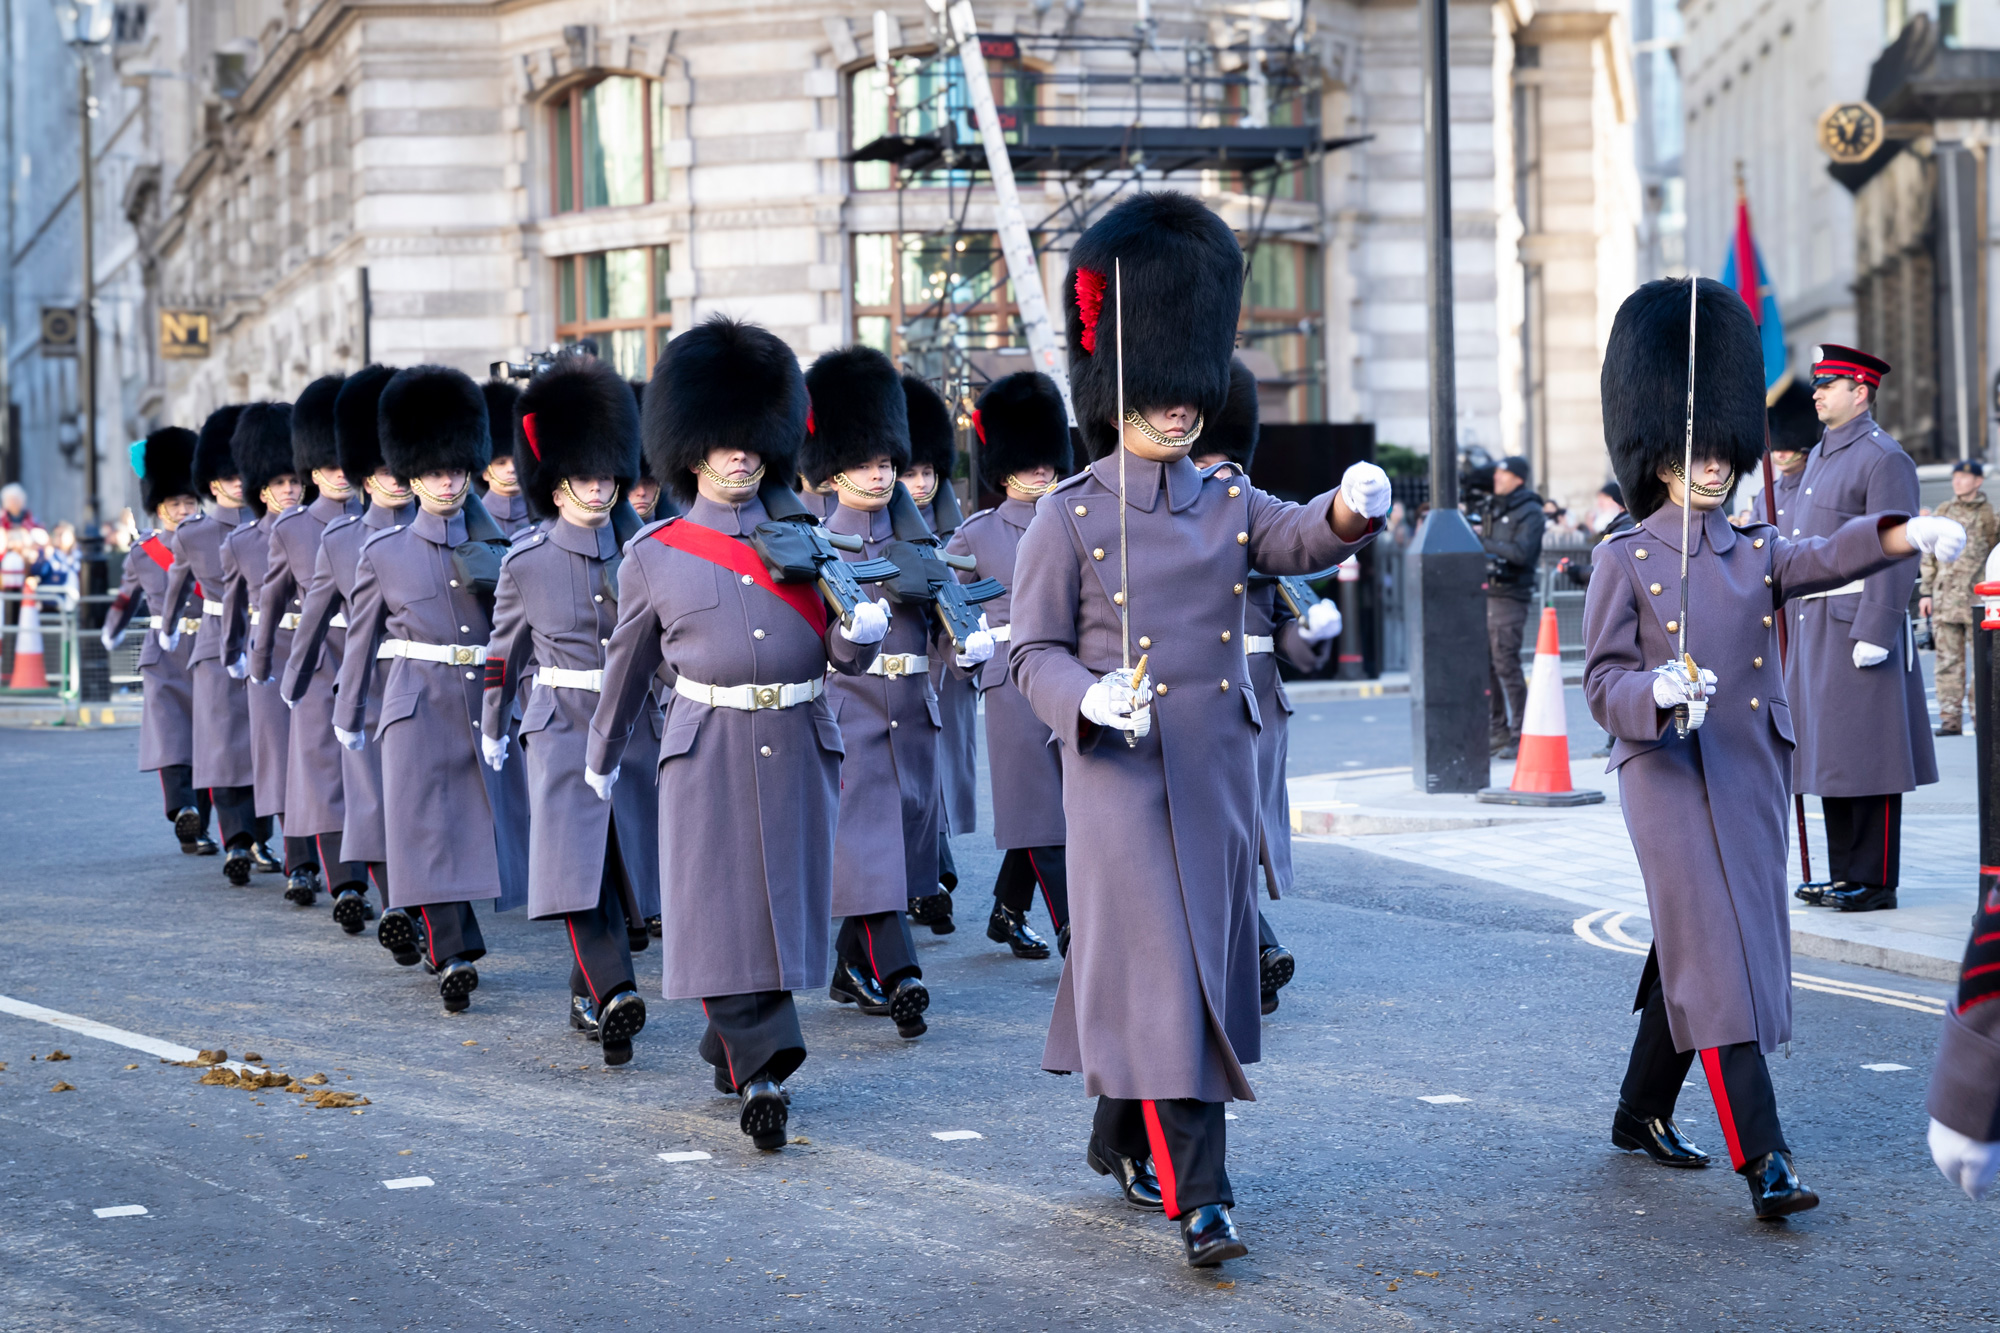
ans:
x=924 y=570
x=797 y=549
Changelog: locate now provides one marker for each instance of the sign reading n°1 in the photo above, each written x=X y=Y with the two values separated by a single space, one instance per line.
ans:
x=183 y=333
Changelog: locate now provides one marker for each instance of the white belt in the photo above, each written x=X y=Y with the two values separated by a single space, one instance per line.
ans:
x=562 y=678
x=1844 y=590
x=747 y=698
x=1001 y=633
x=453 y=654
x=190 y=625
x=900 y=664
x=339 y=621
x=256 y=616
x=289 y=620
x=156 y=622
x=1254 y=644
x=209 y=608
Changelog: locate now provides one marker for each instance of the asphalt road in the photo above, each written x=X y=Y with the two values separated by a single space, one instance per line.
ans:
x=550 y=1207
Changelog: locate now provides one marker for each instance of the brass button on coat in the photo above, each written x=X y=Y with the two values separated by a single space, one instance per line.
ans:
x=1225 y=636
x=1753 y=703
x=765 y=751
x=1097 y=554
x=1238 y=590
x=1118 y=597
x=1758 y=543
x=892 y=724
x=1225 y=685
x=1767 y=580
x=747 y=580
x=1757 y=662
x=1159 y=689
x=1640 y=552
x=1242 y=539
x=1655 y=590
x=1081 y=511
x=1673 y=627
x=1145 y=641
x=1235 y=491
x=1767 y=621
x=756 y=634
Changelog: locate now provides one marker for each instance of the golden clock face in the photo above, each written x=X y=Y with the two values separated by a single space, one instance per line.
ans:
x=1850 y=131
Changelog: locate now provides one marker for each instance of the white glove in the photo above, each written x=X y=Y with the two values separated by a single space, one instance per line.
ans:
x=1939 y=537
x=601 y=783
x=290 y=702
x=169 y=639
x=353 y=740
x=1322 y=622
x=1867 y=654
x=240 y=667
x=871 y=622
x=1672 y=688
x=1365 y=487
x=978 y=646
x=1966 y=1163
x=1112 y=702
x=109 y=640
x=494 y=748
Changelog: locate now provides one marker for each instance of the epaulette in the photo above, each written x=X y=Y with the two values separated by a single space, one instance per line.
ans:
x=341 y=521
x=295 y=509
x=1068 y=482
x=1632 y=531
x=377 y=536
x=977 y=513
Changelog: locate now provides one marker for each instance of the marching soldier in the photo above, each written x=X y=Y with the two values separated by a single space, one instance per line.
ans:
x=222 y=762
x=576 y=449
x=1863 y=728
x=1023 y=452
x=639 y=819
x=1707 y=808
x=313 y=806
x=499 y=486
x=319 y=648
x=1229 y=442
x=750 y=769
x=1158 y=1003
x=1795 y=430
x=165 y=462
x=1946 y=590
x=417 y=605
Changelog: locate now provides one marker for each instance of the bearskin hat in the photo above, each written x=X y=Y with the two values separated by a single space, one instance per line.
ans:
x=1183 y=277
x=1232 y=432
x=357 y=435
x=576 y=419
x=1645 y=378
x=433 y=419
x=933 y=433
x=1021 y=424
x=858 y=412
x=1794 y=423
x=313 y=441
x=502 y=407
x=646 y=472
x=166 y=466
x=724 y=384
x=262 y=445
x=212 y=459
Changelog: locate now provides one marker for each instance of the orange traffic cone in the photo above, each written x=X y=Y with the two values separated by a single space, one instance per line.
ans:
x=1541 y=775
x=29 y=671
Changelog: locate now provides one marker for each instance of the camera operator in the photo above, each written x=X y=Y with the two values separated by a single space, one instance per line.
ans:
x=1510 y=528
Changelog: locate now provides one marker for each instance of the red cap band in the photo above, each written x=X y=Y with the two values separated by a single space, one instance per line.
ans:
x=528 y=431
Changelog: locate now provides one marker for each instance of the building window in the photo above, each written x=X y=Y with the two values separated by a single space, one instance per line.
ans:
x=606 y=142
x=922 y=93
x=1281 y=317
x=933 y=286
x=617 y=298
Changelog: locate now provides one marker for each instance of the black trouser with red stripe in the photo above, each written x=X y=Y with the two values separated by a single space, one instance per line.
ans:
x=177 y=785
x=598 y=943
x=1025 y=869
x=300 y=854
x=879 y=945
x=1186 y=1141
x=338 y=874
x=753 y=1036
x=1738 y=1079
x=236 y=816
x=1864 y=839
x=451 y=931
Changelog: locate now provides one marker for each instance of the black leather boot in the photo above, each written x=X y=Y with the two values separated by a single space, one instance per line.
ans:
x=188 y=828
x=457 y=980
x=1812 y=892
x=236 y=866
x=851 y=987
x=1848 y=897
x=653 y=927
x=583 y=1016
x=618 y=1022
x=907 y=1004
x=1775 y=1189
x=1661 y=1140
x=636 y=937
x=1275 y=966
x=1062 y=941
x=1009 y=927
x=934 y=910
x=267 y=864
x=1210 y=1236
x=302 y=886
x=350 y=910
x=1135 y=1179
x=764 y=1114
x=398 y=934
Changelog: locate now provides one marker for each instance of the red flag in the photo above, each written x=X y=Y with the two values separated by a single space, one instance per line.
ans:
x=1746 y=260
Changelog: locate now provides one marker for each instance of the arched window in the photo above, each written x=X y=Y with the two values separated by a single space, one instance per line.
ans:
x=607 y=140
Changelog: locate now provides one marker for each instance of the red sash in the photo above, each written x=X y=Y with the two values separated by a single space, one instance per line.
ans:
x=163 y=556
x=732 y=554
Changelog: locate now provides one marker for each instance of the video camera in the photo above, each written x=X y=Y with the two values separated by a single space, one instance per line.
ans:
x=539 y=362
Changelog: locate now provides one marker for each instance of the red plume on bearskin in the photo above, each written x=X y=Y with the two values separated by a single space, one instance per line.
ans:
x=1089 y=306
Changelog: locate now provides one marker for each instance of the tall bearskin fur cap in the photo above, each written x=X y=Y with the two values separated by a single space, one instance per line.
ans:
x=576 y=419
x=1232 y=432
x=168 y=457
x=1794 y=423
x=858 y=412
x=1644 y=386
x=724 y=384
x=1021 y=424
x=262 y=445
x=313 y=441
x=933 y=433
x=502 y=411
x=357 y=434
x=646 y=472
x=1183 y=280
x=212 y=459
x=433 y=419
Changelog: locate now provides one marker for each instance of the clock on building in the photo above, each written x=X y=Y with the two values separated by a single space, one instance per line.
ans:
x=1850 y=131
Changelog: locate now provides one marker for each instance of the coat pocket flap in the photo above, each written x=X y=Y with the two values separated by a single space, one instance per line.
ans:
x=828 y=731
x=1250 y=707
x=396 y=709
x=1781 y=720
x=541 y=707
x=680 y=732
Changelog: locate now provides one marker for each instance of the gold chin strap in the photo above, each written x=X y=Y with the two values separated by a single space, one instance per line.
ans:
x=1145 y=428
x=346 y=488
x=927 y=496
x=1705 y=492
x=731 y=483
x=1013 y=482
x=586 y=505
x=417 y=485
x=840 y=480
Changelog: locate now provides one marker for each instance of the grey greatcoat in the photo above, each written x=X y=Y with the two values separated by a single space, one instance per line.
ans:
x=313 y=802
x=1159 y=997
x=221 y=705
x=886 y=852
x=748 y=800
x=510 y=512
x=246 y=559
x=322 y=639
x=1710 y=815
x=1262 y=618
x=958 y=729
x=1021 y=755
x=166 y=729
x=554 y=609
x=457 y=831
x=1863 y=731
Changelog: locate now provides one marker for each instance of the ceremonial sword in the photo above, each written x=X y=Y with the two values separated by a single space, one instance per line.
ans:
x=1687 y=507
x=1135 y=679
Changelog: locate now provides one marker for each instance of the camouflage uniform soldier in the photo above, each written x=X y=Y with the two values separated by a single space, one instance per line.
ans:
x=1947 y=589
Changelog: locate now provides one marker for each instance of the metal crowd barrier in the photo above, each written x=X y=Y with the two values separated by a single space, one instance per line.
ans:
x=73 y=656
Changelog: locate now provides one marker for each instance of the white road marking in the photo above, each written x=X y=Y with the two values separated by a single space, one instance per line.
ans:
x=122 y=1210
x=954 y=1135
x=1445 y=1099
x=90 y=1027
x=694 y=1156
x=409 y=1183
x=1231 y=1115
x=1582 y=927
x=1886 y=1067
